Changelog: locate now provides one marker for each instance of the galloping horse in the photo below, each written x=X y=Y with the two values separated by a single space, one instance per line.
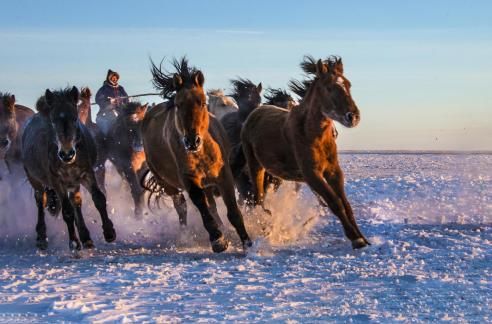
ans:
x=186 y=149
x=299 y=145
x=248 y=96
x=12 y=120
x=59 y=153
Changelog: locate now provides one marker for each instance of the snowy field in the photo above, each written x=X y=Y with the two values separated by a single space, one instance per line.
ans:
x=428 y=217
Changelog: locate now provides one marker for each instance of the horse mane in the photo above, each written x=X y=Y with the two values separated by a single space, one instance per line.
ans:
x=163 y=79
x=130 y=108
x=240 y=86
x=275 y=95
x=216 y=92
x=4 y=97
x=62 y=94
x=308 y=65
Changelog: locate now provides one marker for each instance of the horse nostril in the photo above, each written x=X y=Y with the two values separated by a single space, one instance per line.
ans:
x=66 y=156
x=198 y=140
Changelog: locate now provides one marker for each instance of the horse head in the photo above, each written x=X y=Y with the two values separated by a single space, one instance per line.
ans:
x=185 y=88
x=60 y=107
x=8 y=125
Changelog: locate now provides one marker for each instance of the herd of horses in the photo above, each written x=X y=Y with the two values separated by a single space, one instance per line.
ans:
x=185 y=144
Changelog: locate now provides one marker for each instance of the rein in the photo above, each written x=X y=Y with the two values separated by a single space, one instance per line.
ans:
x=133 y=96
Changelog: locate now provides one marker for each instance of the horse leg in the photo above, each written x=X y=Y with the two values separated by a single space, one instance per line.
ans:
x=257 y=175
x=226 y=188
x=179 y=202
x=335 y=180
x=136 y=190
x=68 y=217
x=41 y=240
x=320 y=186
x=199 y=198
x=99 y=200
x=244 y=187
x=213 y=206
x=84 y=235
x=100 y=173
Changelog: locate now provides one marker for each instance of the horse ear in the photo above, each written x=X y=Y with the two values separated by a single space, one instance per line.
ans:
x=144 y=108
x=50 y=97
x=199 y=79
x=85 y=93
x=321 y=68
x=74 y=94
x=10 y=101
x=177 y=81
x=259 y=87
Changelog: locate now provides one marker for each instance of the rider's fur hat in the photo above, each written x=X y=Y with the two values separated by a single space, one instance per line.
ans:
x=110 y=73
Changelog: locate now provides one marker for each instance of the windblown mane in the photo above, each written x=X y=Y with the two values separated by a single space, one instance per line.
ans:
x=276 y=95
x=240 y=86
x=61 y=94
x=163 y=79
x=308 y=65
x=4 y=97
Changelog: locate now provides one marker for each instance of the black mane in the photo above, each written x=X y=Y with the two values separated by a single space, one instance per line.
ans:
x=276 y=95
x=308 y=65
x=163 y=80
x=130 y=108
x=241 y=86
x=60 y=94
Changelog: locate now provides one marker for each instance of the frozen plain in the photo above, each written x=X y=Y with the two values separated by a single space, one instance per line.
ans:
x=428 y=217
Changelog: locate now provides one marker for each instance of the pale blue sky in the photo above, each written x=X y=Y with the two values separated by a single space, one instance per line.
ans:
x=421 y=70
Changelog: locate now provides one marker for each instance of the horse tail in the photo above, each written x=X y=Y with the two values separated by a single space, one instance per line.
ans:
x=149 y=182
x=52 y=204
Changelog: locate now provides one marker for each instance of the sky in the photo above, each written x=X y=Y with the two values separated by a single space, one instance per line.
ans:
x=421 y=71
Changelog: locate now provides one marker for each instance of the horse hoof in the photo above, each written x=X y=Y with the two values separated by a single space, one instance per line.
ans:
x=74 y=245
x=109 y=234
x=247 y=244
x=89 y=245
x=359 y=243
x=220 y=245
x=42 y=244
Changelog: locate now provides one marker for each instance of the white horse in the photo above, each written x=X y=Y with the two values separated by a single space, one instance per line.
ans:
x=220 y=104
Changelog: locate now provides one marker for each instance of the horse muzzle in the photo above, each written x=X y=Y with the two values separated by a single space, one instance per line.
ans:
x=192 y=144
x=351 y=119
x=67 y=156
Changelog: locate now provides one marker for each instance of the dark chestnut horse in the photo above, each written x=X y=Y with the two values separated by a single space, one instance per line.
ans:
x=186 y=149
x=12 y=120
x=59 y=154
x=299 y=145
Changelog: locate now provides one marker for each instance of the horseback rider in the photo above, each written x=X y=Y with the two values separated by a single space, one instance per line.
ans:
x=109 y=97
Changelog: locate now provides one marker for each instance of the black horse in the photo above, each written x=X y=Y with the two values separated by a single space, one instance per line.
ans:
x=123 y=147
x=248 y=97
x=59 y=154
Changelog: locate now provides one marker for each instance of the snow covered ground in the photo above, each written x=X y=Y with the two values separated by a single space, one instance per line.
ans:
x=428 y=216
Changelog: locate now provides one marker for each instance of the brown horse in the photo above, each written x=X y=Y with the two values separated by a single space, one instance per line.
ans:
x=186 y=148
x=12 y=120
x=298 y=145
x=59 y=154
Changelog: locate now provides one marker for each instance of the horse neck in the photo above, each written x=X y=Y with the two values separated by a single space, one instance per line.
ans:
x=245 y=108
x=310 y=110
